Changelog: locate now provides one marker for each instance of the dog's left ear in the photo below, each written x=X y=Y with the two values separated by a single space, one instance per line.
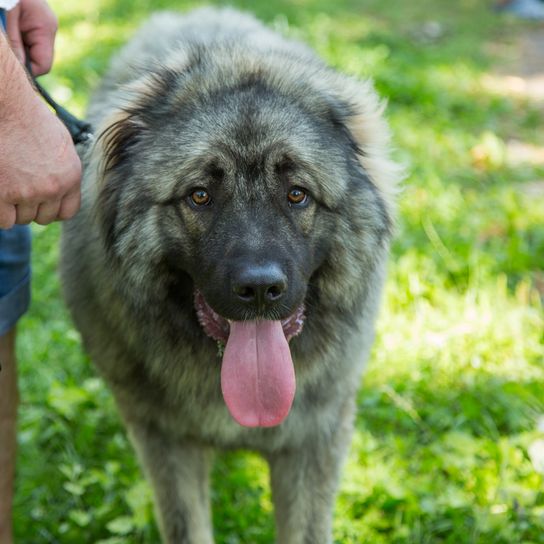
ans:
x=361 y=112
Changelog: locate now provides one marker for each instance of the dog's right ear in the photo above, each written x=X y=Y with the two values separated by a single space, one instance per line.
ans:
x=122 y=131
x=117 y=140
x=120 y=135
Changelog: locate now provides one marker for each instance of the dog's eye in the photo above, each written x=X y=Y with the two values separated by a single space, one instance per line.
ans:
x=200 y=197
x=297 y=196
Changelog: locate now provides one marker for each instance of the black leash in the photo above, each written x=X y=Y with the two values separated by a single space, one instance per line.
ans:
x=81 y=131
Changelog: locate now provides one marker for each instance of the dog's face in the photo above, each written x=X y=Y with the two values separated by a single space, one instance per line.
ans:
x=251 y=215
x=245 y=193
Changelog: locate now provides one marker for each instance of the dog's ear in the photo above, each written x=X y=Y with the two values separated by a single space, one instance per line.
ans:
x=121 y=133
x=361 y=112
x=121 y=136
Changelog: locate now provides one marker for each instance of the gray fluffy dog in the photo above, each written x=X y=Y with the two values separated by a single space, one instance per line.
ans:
x=225 y=269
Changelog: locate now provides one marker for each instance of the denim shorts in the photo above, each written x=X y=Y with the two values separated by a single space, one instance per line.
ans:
x=14 y=266
x=14 y=275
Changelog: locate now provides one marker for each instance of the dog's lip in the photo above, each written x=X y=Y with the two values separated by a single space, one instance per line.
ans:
x=218 y=327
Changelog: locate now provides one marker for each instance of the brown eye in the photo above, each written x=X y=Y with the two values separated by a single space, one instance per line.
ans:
x=200 y=197
x=297 y=196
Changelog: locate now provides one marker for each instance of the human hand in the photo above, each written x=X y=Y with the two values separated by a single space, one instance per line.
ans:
x=31 y=29
x=39 y=168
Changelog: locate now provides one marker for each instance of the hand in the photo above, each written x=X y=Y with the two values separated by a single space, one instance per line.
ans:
x=31 y=26
x=39 y=167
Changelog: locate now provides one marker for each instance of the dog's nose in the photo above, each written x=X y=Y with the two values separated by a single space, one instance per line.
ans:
x=259 y=286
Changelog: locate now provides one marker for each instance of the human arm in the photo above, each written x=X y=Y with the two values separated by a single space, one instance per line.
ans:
x=39 y=167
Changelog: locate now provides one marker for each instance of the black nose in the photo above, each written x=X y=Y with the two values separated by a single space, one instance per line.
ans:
x=259 y=285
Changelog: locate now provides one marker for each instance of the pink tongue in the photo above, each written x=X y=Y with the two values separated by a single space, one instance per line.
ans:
x=257 y=375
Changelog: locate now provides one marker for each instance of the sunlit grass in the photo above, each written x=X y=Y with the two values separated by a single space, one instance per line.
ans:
x=444 y=448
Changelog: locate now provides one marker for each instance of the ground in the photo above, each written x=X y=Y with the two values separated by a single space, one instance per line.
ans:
x=449 y=435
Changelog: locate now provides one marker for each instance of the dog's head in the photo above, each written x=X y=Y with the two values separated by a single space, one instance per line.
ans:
x=253 y=185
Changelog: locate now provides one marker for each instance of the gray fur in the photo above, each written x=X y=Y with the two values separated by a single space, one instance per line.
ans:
x=131 y=256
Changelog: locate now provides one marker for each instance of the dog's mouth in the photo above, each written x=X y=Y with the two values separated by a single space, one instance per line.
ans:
x=257 y=372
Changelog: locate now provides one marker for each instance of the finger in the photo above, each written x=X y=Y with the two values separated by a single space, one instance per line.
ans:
x=72 y=199
x=40 y=41
x=7 y=215
x=25 y=213
x=40 y=52
x=47 y=212
x=14 y=33
x=69 y=205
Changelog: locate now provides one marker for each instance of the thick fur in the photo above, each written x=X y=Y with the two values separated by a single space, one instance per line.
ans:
x=215 y=98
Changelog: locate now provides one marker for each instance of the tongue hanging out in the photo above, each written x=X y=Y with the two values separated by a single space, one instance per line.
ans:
x=257 y=375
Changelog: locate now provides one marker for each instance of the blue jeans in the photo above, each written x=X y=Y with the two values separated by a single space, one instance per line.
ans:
x=14 y=265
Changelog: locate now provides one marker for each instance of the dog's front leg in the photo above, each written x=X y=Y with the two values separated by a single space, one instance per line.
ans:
x=179 y=474
x=304 y=483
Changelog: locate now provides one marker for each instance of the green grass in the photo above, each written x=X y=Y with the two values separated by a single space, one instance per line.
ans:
x=449 y=409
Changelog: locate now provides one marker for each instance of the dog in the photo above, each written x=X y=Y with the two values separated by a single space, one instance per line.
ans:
x=226 y=266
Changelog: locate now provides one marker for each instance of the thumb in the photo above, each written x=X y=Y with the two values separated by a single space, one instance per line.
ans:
x=14 y=33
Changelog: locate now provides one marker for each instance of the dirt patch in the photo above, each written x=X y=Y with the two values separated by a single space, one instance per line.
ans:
x=522 y=73
x=531 y=49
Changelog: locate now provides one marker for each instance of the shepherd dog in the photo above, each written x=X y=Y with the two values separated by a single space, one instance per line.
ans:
x=226 y=267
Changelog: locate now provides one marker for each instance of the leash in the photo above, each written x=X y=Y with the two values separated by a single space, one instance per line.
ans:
x=80 y=130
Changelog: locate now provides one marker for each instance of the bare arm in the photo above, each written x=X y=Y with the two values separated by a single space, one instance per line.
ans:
x=39 y=167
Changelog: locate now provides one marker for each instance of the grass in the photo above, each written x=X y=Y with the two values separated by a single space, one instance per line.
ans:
x=446 y=448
